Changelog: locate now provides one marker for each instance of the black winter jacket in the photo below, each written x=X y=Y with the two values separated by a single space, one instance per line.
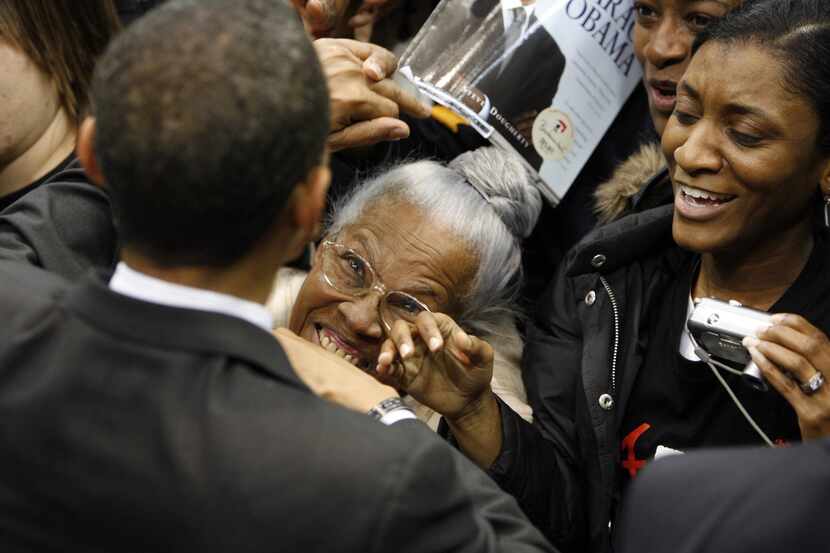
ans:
x=581 y=360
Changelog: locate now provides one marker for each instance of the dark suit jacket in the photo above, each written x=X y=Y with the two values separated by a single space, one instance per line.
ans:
x=64 y=226
x=129 y=426
x=731 y=501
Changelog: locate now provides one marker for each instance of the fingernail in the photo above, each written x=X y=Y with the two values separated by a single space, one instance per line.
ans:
x=375 y=68
x=398 y=133
x=406 y=350
x=779 y=318
x=435 y=343
x=384 y=358
x=426 y=110
x=750 y=342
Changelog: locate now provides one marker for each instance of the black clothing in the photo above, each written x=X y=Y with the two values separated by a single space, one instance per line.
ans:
x=131 y=426
x=64 y=227
x=679 y=404
x=9 y=199
x=130 y=10
x=731 y=501
x=560 y=228
x=582 y=358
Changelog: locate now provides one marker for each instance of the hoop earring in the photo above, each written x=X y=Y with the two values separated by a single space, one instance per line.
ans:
x=827 y=211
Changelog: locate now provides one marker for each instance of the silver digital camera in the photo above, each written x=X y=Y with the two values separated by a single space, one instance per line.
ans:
x=719 y=328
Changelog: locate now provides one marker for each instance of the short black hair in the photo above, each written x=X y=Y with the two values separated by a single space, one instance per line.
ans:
x=208 y=114
x=797 y=32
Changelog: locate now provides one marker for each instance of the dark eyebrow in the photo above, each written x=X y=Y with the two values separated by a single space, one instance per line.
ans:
x=730 y=108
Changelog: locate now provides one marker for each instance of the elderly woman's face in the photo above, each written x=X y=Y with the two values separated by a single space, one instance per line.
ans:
x=742 y=152
x=663 y=36
x=409 y=254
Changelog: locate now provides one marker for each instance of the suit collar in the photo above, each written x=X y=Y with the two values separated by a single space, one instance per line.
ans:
x=178 y=328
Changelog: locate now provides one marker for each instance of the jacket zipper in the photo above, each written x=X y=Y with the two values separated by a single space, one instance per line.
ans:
x=616 y=310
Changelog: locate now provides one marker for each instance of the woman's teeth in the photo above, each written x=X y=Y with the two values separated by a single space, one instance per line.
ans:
x=696 y=195
x=331 y=346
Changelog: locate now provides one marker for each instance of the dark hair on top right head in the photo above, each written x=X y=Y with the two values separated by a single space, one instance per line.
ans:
x=208 y=114
x=797 y=32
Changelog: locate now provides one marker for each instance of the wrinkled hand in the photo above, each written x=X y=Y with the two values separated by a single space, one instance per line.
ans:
x=365 y=103
x=788 y=353
x=330 y=377
x=437 y=363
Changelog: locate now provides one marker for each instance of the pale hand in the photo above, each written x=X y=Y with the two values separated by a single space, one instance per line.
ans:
x=437 y=363
x=331 y=377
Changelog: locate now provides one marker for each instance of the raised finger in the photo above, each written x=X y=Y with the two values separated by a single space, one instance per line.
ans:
x=429 y=331
x=401 y=334
x=794 y=321
x=387 y=354
x=778 y=380
x=408 y=103
x=367 y=133
x=784 y=359
x=812 y=345
x=379 y=61
x=480 y=353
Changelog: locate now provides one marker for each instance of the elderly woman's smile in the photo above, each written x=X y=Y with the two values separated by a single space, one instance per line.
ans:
x=406 y=253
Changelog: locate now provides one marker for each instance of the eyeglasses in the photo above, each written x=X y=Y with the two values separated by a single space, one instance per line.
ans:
x=348 y=273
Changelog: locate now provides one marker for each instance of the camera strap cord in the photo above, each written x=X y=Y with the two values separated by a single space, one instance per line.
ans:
x=715 y=365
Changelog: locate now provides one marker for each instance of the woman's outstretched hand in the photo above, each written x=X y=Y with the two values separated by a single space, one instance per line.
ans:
x=790 y=353
x=437 y=363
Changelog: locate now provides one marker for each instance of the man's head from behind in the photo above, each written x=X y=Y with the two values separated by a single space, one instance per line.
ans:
x=208 y=114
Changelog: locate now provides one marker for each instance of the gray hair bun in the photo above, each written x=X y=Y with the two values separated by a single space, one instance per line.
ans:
x=508 y=185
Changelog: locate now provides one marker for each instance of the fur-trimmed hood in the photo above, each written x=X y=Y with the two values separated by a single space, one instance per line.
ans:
x=614 y=197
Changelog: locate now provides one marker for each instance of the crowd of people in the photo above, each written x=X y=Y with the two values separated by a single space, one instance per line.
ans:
x=259 y=295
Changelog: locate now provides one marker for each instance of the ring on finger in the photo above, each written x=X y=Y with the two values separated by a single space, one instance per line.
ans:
x=814 y=384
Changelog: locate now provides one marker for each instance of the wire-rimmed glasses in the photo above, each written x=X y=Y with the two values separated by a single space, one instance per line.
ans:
x=347 y=272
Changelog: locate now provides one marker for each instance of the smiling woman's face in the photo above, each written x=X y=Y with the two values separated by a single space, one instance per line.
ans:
x=663 y=37
x=742 y=153
x=409 y=254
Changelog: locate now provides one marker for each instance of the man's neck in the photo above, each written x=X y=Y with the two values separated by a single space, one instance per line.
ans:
x=49 y=149
x=246 y=279
x=761 y=276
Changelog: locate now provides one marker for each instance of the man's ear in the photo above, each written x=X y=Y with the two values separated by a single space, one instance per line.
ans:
x=85 y=149
x=309 y=200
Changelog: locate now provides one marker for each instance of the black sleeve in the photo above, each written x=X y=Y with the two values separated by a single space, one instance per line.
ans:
x=538 y=464
x=445 y=503
x=64 y=226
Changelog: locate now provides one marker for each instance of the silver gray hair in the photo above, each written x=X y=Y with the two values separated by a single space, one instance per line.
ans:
x=487 y=198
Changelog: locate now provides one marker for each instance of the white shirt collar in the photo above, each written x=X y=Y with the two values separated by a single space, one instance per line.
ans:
x=687 y=347
x=134 y=284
